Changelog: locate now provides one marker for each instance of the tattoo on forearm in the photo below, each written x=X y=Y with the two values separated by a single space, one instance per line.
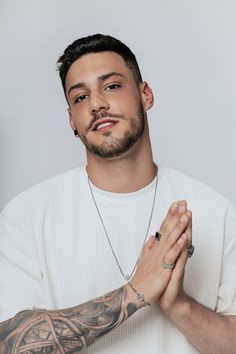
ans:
x=65 y=331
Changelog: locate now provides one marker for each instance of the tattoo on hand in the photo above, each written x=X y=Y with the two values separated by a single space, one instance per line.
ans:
x=64 y=331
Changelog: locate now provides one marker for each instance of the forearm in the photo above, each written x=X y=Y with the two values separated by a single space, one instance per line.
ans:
x=208 y=331
x=67 y=330
x=73 y=329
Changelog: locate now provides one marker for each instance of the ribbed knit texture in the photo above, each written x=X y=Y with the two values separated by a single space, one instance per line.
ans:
x=54 y=253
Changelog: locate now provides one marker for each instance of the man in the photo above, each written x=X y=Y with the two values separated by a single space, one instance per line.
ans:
x=86 y=232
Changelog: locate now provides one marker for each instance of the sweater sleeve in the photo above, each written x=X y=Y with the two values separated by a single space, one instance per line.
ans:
x=226 y=303
x=21 y=285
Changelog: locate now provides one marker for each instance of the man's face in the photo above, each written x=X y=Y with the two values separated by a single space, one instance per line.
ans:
x=105 y=104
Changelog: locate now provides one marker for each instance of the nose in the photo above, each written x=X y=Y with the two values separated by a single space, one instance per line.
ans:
x=98 y=102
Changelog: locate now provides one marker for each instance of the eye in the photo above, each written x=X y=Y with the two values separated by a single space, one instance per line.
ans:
x=80 y=98
x=112 y=87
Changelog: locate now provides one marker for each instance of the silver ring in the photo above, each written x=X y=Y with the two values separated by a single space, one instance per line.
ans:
x=167 y=265
x=158 y=236
x=190 y=251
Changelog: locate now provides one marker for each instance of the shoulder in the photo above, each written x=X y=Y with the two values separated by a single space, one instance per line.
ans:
x=43 y=192
x=186 y=187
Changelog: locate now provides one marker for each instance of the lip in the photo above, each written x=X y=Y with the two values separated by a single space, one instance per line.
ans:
x=102 y=121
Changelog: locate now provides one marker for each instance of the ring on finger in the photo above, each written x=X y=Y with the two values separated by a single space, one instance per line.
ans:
x=158 y=236
x=167 y=265
x=190 y=251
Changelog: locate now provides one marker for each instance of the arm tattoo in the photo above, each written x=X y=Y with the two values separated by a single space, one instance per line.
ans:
x=65 y=331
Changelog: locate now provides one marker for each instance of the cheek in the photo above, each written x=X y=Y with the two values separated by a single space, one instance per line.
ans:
x=125 y=104
x=77 y=111
x=80 y=116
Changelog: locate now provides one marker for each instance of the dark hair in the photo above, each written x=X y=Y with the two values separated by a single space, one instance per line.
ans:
x=95 y=44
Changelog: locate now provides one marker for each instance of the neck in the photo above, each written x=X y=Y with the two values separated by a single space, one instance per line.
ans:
x=125 y=174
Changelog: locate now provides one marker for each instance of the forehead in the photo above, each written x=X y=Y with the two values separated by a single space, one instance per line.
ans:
x=91 y=66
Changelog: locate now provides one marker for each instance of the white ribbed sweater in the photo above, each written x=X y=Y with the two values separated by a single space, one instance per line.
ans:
x=54 y=253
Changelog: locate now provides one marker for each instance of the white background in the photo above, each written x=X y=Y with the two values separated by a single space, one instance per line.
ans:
x=186 y=50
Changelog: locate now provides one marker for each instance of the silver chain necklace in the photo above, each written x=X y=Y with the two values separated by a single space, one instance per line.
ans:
x=128 y=276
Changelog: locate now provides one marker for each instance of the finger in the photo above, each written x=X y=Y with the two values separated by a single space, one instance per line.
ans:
x=176 y=232
x=172 y=255
x=149 y=244
x=178 y=271
x=171 y=219
x=188 y=230
x=184 y=202
x=147 y=247
x=169 y=216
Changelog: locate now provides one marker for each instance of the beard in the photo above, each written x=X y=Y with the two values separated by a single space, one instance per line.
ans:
x=114 y=147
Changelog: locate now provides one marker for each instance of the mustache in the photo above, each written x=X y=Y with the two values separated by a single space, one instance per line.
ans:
x=101 y=115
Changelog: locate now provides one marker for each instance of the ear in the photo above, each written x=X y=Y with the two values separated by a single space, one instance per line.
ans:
x=72 y=123
x=146 y=96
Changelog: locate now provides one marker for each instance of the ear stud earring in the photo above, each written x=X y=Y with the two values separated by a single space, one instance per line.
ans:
x=76 y=133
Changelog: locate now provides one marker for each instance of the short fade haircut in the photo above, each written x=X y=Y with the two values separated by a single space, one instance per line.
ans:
x=94 y=44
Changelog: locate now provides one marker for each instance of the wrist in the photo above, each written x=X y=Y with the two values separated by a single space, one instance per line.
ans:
x=135 y=297
x=140 y=296
x=180 y=309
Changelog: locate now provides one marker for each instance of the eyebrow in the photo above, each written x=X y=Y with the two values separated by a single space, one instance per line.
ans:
x=100 y=78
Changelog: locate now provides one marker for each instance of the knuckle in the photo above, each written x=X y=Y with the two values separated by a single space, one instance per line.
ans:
x=168 y=229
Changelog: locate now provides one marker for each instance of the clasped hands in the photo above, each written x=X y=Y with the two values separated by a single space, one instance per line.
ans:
x=152 y=278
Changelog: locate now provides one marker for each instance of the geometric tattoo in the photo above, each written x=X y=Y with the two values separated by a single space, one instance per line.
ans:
x=65 y=331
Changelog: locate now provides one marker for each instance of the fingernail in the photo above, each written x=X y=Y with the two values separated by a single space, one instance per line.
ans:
x=180 y=241
x=181 y=208
x=183 y=218
x=174 y=206
x=189 y=213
